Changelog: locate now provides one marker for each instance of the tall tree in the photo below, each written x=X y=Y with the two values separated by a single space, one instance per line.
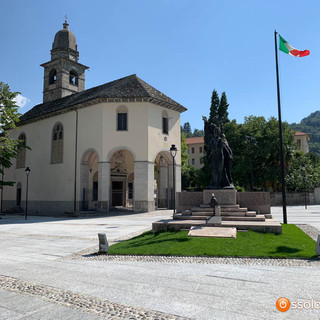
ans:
x=9 y=147
x=265 y=153
x=223 y=108
x=186 y=129
x=214 y=109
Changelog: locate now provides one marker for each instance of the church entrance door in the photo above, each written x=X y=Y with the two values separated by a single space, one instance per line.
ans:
x=117 y=193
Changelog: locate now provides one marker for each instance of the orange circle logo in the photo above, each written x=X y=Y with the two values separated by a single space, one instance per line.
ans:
x=283 y=304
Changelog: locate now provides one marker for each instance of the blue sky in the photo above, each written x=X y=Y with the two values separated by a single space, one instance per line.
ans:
x=183 y=48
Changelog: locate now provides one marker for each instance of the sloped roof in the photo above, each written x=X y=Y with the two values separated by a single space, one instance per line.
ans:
x=195 y=140
x=128 y=89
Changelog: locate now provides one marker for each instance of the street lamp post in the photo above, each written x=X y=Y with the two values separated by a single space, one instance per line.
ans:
x=27 y=171
x=173 y=152
x=304 y=185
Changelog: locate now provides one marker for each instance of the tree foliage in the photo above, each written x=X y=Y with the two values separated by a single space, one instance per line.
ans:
x=214 y=108
x=9 y=148
x=264 y=153
x=304 y=172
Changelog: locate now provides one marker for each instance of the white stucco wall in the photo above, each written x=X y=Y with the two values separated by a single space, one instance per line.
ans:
x=97 y=130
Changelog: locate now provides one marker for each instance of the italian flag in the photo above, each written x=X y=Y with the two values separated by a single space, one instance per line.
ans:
x=287 y=48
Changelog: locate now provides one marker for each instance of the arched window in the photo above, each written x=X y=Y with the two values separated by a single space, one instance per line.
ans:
x=21 y=156
x=165 y=122
x=57 y=144
x=53 y=76
x=122 y=118
x=73 y=78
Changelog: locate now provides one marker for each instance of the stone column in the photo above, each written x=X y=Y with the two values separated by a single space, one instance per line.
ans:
x=178 y=178
x=103 y=186
x=143 y=186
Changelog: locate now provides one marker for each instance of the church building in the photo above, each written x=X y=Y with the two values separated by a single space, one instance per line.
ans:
x=96 y=149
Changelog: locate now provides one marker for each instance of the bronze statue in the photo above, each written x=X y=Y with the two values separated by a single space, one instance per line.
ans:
x=219 y=155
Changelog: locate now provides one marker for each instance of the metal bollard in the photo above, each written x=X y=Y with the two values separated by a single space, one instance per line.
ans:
x=103 y=243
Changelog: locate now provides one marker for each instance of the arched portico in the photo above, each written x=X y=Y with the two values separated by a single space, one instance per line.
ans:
x=89 y=175
x=163 y=179
x=122 y=178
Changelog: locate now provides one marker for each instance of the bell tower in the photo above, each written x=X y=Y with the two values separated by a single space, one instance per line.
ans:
x=63 y=74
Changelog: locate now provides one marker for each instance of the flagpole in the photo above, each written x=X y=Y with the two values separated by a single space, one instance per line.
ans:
x=283 y=182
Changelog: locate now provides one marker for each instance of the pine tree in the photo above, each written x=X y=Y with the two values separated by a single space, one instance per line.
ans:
x=214 y=109
x=223 y=109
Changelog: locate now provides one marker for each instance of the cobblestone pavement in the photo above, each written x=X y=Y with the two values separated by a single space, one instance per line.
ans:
x=103 y=308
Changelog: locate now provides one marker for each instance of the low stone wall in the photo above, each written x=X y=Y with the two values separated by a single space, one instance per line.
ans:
x=254 y=201
x=296 y=198
x=187 y=200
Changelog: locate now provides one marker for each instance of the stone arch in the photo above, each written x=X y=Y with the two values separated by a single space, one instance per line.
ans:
x=113 y=150
x=73 y=77
x=88 y=154
x=89 y=173
x=52 y=76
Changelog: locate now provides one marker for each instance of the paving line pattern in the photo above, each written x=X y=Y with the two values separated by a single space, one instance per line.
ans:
x=84 y=303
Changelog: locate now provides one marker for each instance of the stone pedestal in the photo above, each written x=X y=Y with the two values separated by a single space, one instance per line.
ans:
x=224 y=196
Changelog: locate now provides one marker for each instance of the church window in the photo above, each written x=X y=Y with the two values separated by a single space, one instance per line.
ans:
x=21 y=156
x=122 y=118
x=57 y=144
x=53 y=76
x=73 y=79
x=165 y=122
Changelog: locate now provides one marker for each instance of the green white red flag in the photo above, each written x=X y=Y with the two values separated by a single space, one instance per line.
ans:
x=287 y=48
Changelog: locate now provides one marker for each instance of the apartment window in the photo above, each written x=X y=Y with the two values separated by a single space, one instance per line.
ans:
x=200 y=149
x=192 y=150
x=193 y=162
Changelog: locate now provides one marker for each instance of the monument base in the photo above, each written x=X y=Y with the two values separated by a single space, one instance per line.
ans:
x=224 y=196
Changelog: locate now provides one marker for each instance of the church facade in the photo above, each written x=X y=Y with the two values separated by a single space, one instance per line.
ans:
x=94 y=149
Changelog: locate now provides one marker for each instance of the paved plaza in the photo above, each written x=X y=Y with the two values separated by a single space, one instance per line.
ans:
x=47 y=272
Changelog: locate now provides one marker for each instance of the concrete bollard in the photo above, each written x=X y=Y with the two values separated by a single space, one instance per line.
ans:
x=103 y=243
x=318 y=246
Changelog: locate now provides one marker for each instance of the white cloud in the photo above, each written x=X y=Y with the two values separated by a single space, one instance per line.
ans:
x=21 y=101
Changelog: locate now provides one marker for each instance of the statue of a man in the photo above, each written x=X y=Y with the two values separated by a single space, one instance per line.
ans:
x=219 y=155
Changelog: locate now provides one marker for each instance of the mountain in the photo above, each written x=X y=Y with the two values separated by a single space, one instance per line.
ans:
x=311 y=125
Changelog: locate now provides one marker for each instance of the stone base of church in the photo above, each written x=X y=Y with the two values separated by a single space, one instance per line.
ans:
x=103 y=206
x=144 y=206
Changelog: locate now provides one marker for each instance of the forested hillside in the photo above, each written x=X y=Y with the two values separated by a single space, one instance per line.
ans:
x=311 y=125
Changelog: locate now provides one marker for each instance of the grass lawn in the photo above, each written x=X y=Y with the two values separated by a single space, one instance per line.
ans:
x=292 y=243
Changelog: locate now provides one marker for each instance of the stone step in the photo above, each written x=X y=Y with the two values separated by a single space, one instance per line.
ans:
x=225 y=214
x=270 y=225
x=223 y=209
x=235 y=218
x=186 y=217
x=222 y=206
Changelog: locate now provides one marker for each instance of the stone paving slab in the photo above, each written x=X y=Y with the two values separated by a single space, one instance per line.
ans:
x=103 y=308
x=212 y=232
